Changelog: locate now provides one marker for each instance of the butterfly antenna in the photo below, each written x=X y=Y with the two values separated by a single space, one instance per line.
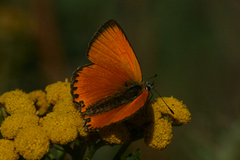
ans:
x=152 y=77
x=164 y=101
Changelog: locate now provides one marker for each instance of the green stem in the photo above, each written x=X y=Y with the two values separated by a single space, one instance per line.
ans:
x=120 y=152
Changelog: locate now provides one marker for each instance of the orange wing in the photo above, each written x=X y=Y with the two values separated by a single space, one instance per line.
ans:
x=115 y=64
x=117 y=114
x=111 y=50
x=92 y=83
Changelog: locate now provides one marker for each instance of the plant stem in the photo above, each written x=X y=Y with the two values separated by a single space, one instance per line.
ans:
x=122 y=149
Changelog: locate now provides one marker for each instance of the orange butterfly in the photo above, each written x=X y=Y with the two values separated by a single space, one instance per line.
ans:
x=111 y=88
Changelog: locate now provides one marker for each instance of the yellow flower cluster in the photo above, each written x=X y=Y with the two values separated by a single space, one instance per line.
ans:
x=61 y=128
x=12 y=124
x=181 y=113
x=159 y=132
x=30 y=126
x=17 y=101
x=57 y=91
x=64 y=124
x=32 y=142
x=7 y=150
x=42 y=105
x=155 y=118
x=30 y=134
x=21 y=127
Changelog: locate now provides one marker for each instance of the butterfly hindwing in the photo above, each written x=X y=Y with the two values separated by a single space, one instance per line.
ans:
x=117 y=114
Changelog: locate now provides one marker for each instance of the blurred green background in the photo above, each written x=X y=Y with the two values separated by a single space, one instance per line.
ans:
x=193 y=46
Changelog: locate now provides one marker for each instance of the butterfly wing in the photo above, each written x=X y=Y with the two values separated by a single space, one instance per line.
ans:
x=114 y=66
x=111 y=50
x=117 y=114
x=92 y=83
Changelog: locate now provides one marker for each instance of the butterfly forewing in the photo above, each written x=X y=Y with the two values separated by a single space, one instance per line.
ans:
x=111 y=50
x=93 y=83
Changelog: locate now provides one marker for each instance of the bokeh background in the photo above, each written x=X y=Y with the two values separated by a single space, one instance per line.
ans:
x=193 y=46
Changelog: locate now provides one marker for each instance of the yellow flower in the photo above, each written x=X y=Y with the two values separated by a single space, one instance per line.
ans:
x=32 y=142
x=41 y=105
x=12 y=124
x=115 y=134
x=57 y=91
x=61 y=128
x=158 y=134
x=7 y=150
x=181 y=113
x=65 y=105
x=17 y=101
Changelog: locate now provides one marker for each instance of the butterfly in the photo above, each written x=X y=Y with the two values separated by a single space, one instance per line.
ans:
x=110 y=89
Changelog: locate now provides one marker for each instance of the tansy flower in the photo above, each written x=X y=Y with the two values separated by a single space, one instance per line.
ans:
x=41 y=105
x=61 y=128
x=32 y=143
x=57 y=91
x=17 y=101
x=13 y=123
x=115 y=134
x=158 y=134
x=7 y=150
x=65 y=105
x=181 y=113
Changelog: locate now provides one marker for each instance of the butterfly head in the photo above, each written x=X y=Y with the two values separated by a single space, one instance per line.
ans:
x=149 y=86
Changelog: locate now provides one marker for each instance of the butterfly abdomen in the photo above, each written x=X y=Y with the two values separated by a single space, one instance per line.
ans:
x=130 y=93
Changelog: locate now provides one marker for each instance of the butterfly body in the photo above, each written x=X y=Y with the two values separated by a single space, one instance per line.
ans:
x=128 y=94
x=110 y=89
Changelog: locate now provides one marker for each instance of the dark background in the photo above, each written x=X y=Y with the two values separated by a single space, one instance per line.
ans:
x=193 y=46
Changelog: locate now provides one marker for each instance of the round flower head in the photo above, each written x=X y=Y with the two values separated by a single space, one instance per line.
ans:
x=115 y=134
x=181 y=113
x=32 y=142
x=158 y=134
x=17 y=101
x=41 y=105
x=12 y=124
x=7 y=150
x=65 y=105
x=61 y=128
x=57 y=91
